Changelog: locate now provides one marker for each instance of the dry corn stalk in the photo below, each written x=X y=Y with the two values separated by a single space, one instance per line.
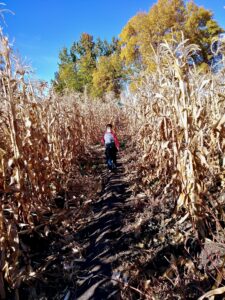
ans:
x=41 y=138
x=178 y=114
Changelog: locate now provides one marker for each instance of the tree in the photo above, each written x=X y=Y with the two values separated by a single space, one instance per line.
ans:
x=108 y=76
x=200 y=29
x=77 y=66
x=104 y=48
x=66 y=78
x=87 y=66
x=84 y=58
x=165 y=19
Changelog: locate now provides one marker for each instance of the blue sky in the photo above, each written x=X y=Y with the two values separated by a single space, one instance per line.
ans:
x=40 y=28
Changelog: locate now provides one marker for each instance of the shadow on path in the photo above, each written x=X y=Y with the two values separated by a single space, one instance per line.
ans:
x=102 y=237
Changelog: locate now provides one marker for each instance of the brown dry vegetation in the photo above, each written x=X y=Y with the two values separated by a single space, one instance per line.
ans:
x=44 y=142
x=179 y=115
x=176 y=120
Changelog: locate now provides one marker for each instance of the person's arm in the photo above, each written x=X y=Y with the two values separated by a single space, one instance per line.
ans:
x=116 y=141
x=103 y=140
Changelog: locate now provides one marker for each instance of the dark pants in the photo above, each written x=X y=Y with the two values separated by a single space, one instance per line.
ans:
x=110 y=153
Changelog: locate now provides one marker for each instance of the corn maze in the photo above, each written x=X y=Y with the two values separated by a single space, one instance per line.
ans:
x=179 y=114
x=175 y=120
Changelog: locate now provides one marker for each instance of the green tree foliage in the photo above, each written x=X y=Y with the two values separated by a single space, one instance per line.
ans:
x=104 y=48
x=78 y=66
x=83 y=54
x=165 y=19
x=67 y=78
x=108 y=76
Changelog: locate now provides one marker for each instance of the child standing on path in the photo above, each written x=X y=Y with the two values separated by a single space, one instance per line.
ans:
x=111 y=143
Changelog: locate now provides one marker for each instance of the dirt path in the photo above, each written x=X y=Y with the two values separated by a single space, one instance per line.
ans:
x=103 y=240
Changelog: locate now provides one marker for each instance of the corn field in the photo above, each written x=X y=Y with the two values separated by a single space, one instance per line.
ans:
x=178 y=116
x=41 y=137
x=176 y=119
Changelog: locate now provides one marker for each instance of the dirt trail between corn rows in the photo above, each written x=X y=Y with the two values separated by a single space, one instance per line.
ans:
x=103 y=240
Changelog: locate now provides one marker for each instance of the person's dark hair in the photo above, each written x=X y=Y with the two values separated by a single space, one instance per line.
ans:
x=109 y=126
